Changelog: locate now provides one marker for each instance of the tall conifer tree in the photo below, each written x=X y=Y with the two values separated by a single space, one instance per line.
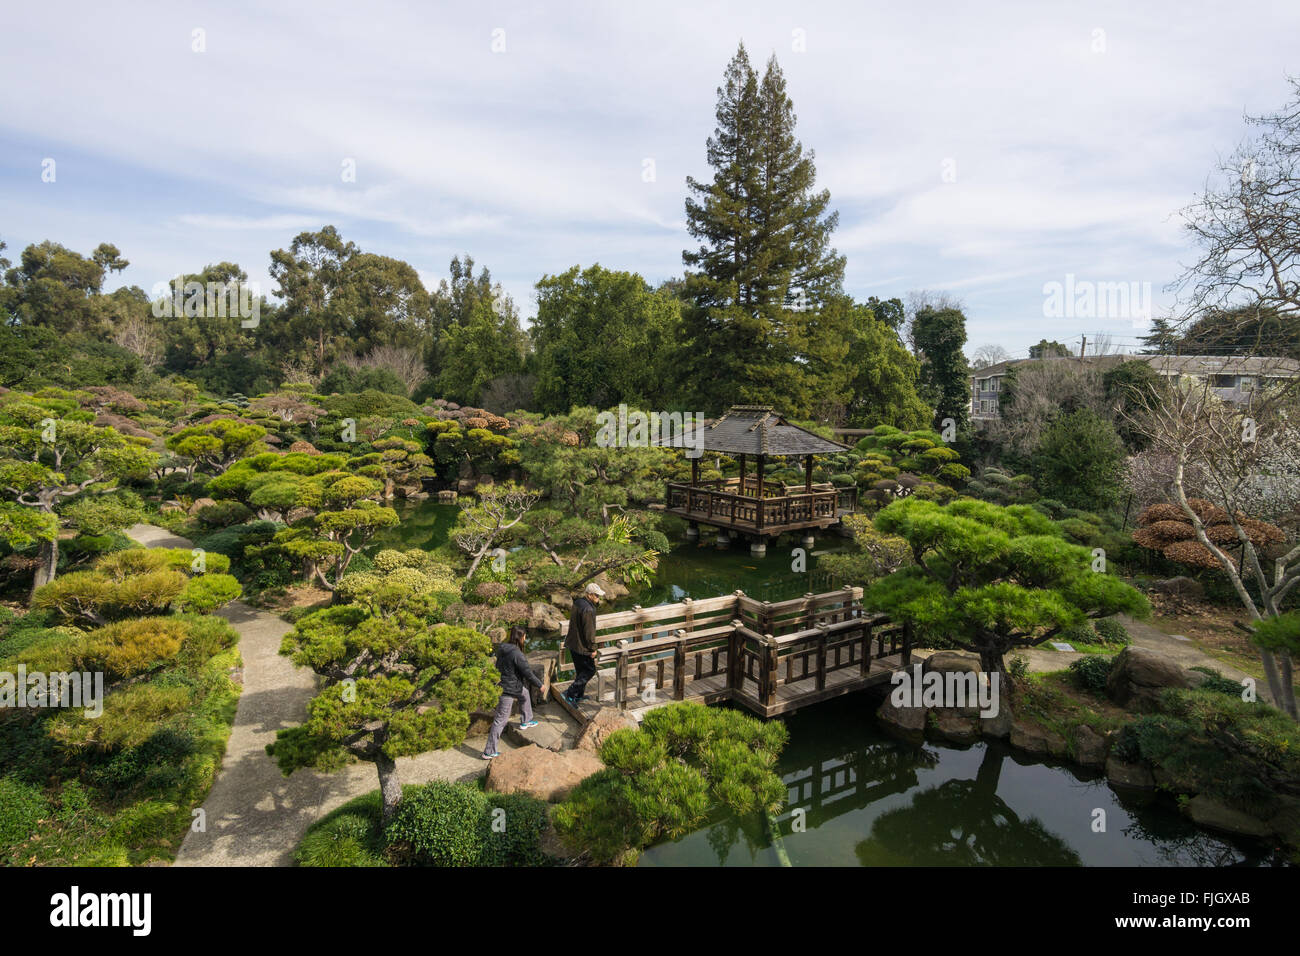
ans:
x=764 y=272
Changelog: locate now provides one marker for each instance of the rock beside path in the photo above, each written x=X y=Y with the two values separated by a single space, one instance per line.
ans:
x=605 y=722
x=545 y=774
x=1139 y=674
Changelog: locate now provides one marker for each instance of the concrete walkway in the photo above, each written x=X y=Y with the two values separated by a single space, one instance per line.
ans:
x=1186 y=653
x=255 y=815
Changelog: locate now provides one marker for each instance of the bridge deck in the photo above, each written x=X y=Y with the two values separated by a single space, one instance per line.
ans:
x=771 y=658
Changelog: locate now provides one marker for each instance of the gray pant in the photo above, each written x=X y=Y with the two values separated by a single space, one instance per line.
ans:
x=504 y=707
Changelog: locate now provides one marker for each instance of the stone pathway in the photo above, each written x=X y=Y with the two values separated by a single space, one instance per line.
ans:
x=1145 y=635
x=255 y=815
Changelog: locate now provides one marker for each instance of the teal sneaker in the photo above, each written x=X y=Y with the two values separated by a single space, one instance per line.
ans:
x=524 y=725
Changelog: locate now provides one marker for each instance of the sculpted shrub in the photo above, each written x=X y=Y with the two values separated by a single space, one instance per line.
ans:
x=207 y=592
x=663 y=779
x=128 y=648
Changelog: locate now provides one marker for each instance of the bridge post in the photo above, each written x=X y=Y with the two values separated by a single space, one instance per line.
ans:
x=770 y=662
x=865 y=662
x=821 y=657
x=735 y=676
x=679 y=667
x=620 y=677
x=907 y=643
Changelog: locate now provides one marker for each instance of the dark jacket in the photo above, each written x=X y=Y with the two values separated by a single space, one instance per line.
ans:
x=514 y=670
x=581 y=638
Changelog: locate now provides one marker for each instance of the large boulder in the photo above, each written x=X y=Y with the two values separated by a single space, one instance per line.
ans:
x=954 y=728
x=545 y=617
x=1037 y=739
x=1218 y=816
x=1090 y=747
x=946 y=662
x=545 y=774
x=1134 y=776
x=1139 y=674
x=955 y=662
x=613 y=590
x=606 y=721
x=907 y=723
x=199 y=504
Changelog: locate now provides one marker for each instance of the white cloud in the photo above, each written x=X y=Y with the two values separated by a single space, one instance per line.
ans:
x=1067 y=160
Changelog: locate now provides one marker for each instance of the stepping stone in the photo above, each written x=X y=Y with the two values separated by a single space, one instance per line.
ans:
x=548 y=734
x=1179 y=637
x=1061 y=646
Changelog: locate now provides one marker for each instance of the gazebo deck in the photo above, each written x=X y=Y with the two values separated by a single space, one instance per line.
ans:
x=782 y=508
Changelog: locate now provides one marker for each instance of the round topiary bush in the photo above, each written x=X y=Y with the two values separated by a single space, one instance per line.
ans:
x=1090 y=672
x=1111 y=631
x=207 y=592
x=439 y=825
x=223 y=514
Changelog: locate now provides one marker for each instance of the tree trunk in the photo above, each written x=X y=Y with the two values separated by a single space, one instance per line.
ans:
x=49 y=564
x=1273 y=679
x=390 y=787
x=1288 y=686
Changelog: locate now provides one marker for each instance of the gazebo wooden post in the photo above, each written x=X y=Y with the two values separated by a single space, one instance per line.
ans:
x=758 y=506
x=742 y=474
x=807 y=474
x=695 y=472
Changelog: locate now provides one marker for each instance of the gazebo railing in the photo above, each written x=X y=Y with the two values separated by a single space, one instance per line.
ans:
x=794 y=508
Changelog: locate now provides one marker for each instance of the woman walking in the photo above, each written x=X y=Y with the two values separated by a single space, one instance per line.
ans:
x=516 y=677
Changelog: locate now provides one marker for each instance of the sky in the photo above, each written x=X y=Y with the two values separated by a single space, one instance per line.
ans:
x=983 y=150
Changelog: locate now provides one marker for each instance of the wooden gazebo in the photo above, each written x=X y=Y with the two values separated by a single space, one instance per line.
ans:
x=753 y=506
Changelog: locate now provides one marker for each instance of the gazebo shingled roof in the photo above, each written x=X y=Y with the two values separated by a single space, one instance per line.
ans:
x=758 y=430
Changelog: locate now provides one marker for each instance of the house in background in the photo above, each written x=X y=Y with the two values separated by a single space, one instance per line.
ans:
x=1232 y=377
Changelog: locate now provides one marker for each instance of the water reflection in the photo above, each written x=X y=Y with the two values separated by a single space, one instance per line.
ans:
x=869 y=800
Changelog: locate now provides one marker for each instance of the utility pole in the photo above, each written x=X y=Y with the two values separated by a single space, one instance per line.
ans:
x=1083 y=347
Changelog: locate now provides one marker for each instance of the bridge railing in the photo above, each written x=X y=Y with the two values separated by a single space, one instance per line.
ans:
x=736 y=645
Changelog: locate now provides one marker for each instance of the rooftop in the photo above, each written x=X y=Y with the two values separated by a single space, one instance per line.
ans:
x=756 y=430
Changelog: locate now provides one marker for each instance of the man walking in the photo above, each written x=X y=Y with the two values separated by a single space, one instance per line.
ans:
x=581 y=641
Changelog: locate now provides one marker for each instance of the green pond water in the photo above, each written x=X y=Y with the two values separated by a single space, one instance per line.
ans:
x=867 y=799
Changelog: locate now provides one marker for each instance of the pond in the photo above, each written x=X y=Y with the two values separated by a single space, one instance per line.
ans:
x=858 y=797
x=868 y=799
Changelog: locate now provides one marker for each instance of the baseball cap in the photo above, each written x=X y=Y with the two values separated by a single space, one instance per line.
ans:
x=594 y=588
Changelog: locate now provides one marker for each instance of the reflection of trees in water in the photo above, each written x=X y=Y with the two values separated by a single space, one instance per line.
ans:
x=724 y=835
x=1179 y=842
x=963 y=823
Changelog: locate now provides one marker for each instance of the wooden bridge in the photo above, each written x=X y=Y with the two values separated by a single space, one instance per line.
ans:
x=771 y=658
